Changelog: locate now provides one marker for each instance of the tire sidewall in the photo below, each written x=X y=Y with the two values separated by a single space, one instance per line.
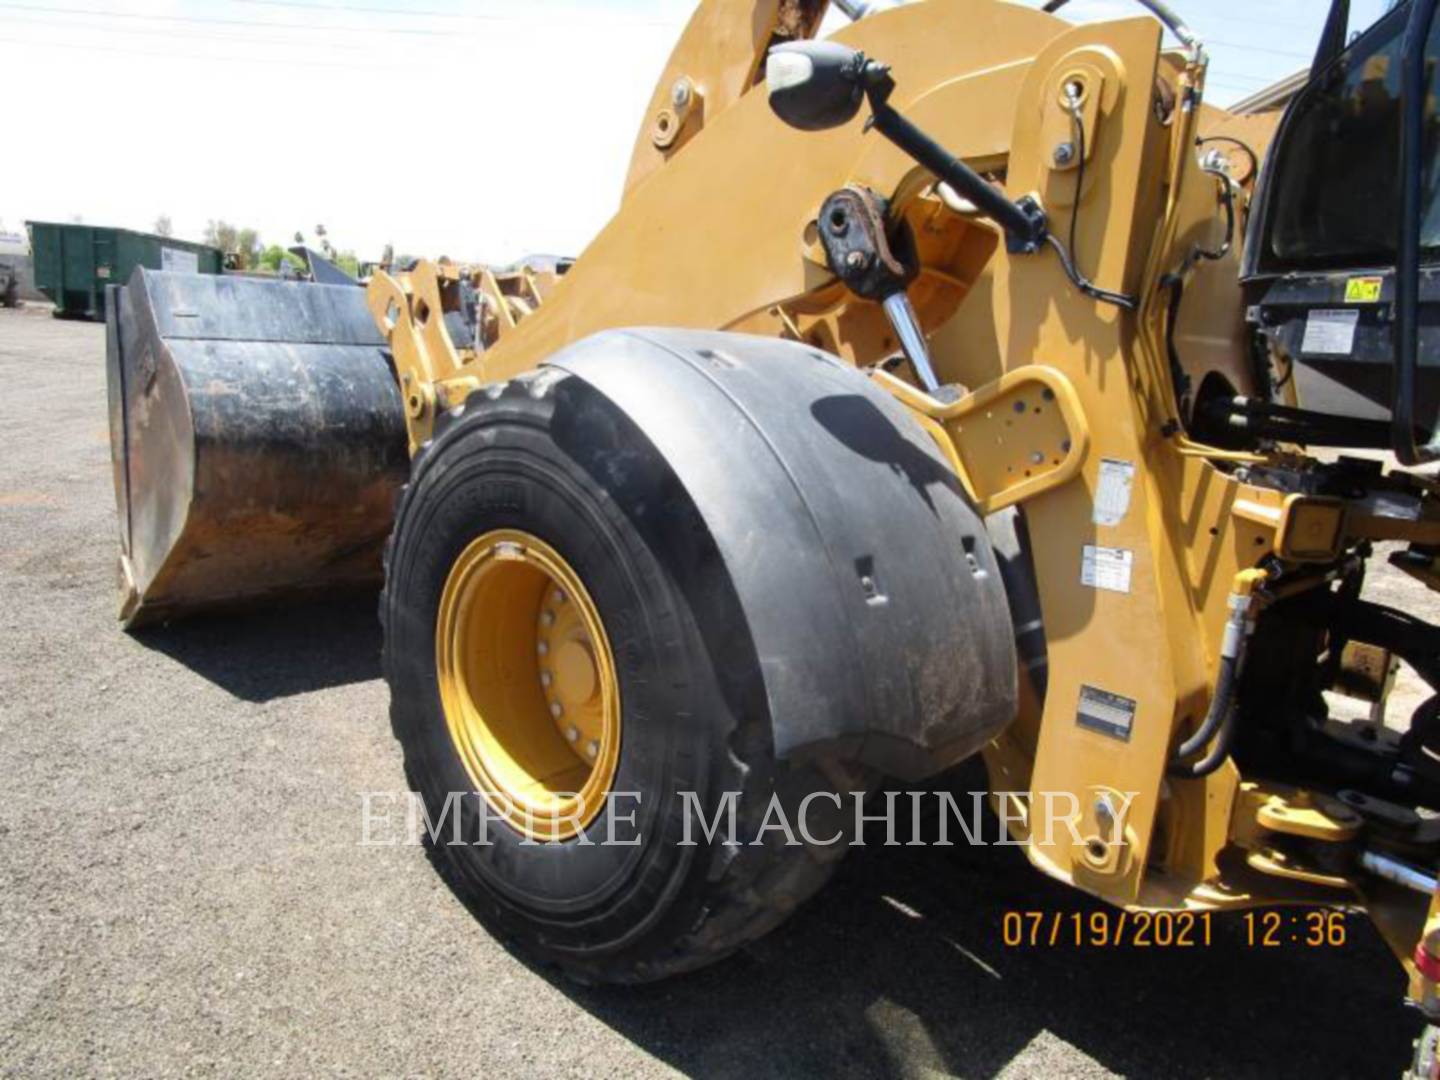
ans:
x=498 y=465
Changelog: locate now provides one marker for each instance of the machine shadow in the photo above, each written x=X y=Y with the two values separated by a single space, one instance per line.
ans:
x=899 y=968
x=276 y=653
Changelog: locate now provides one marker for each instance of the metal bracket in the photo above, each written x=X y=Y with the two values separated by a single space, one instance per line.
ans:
x=1011 y=439
x=409 y=311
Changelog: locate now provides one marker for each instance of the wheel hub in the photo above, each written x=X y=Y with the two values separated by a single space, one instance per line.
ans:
x=528 y=685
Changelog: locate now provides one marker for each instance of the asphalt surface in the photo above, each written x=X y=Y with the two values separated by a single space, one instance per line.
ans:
x=182 y=888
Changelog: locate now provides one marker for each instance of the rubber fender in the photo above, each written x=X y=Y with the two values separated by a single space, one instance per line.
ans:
x=863 y=577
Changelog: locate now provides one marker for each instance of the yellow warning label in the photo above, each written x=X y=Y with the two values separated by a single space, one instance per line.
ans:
x=1362 y=290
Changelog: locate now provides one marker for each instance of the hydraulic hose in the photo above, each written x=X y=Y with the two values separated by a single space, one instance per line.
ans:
x=1219 y=722
x=1161 y=11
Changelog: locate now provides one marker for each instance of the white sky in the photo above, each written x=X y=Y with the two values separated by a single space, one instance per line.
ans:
x=481 y=129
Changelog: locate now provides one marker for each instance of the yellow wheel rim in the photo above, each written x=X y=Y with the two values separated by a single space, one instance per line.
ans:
x=528 y=685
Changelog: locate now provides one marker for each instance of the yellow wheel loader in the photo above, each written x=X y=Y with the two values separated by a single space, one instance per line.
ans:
x=949 y=386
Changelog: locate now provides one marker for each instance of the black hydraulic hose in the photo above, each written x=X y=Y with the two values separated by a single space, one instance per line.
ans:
x=1160 y=10
x=1066 y=253
x=1215 y=758
x=1240 y=145
x=1220 y=718
x=1084 y=284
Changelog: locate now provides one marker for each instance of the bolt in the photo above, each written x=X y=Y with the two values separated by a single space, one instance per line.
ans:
x=542 y=648
x=555 y=709
x=572 y=733
x=547 y=618
x=592 y=749
x=1064 y=153
x=1037 y=458
x=559 y=597
x=857 y=260
x=546 y=678
x=680 y=92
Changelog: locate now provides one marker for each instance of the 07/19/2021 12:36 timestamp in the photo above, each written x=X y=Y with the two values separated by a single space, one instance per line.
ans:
x=1261 y=929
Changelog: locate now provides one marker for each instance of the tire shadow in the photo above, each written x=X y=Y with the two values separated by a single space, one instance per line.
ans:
x=279 y=652
x=898 y=968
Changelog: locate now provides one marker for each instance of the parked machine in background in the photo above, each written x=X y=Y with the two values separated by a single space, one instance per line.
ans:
x=930 y=394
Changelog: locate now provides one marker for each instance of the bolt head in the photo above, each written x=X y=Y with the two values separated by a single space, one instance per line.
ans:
x=556 y=709
x=572 y=733
x=593 y=749
x=1064 y=153
x=681 y=92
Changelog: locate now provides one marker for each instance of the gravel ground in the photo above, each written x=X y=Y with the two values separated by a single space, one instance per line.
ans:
x=184 y=892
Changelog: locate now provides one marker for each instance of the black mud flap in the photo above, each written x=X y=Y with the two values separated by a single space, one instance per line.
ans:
x=864 y=577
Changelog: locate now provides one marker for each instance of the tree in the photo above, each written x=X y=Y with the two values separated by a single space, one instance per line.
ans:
x=162 y=226
x=244 y=244
x=274 y=256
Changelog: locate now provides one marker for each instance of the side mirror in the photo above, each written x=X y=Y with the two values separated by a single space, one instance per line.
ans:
x=815 y=85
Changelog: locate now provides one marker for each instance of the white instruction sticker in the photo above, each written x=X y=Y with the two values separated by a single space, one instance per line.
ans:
x=1112 y=493
x=1330 y=331
x=1106 y=568
x=185 y=262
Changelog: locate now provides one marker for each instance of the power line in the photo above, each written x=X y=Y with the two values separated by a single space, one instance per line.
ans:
x=432 y=13
x=247 y=61
x=175 y=35
x=265 y=24
x=361 y=9
x=1257 y=48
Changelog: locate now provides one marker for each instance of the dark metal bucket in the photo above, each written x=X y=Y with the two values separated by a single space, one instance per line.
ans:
x=258 y=440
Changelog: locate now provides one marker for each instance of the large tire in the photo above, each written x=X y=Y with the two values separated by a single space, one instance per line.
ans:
x=544 y=454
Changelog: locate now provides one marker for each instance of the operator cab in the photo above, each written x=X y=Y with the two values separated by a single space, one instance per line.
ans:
x=1324 y=239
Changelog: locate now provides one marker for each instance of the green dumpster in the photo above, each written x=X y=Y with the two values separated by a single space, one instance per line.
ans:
x=74 y=263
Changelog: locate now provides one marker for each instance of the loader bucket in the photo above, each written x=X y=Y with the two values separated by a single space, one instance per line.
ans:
x=258 y=441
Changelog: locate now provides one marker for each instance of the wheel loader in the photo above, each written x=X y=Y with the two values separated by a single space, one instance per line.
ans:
x=959 y=384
